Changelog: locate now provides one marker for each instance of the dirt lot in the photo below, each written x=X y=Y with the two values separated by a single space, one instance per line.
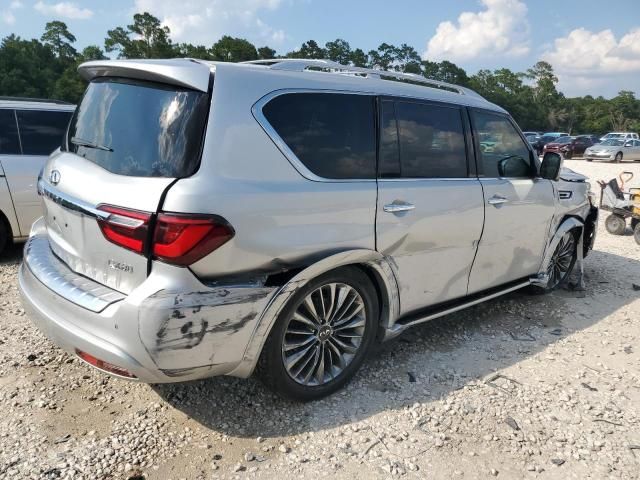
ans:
x=520 y=387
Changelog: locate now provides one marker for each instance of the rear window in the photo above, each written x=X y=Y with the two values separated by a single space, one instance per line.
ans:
x=141 y=129
x=333 y=135
x=41 y=132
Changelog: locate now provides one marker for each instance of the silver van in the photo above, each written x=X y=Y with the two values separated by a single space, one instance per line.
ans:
x=207 y=218
x=30 y=129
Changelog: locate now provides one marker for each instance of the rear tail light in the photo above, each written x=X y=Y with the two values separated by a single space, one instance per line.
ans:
x=185 y=239
x=104 y=366
x=178 y=239
x=124 y=227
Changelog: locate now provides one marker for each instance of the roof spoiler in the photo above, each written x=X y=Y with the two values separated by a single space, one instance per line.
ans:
x=183 y=72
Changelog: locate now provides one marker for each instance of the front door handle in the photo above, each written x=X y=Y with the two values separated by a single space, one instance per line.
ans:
x=497 y=200
x=398 y=207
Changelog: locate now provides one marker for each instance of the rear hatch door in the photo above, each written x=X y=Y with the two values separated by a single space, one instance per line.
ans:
x=128 y=141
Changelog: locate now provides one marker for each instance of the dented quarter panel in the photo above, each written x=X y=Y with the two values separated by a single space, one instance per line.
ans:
x=377 y=264
x=189 y=330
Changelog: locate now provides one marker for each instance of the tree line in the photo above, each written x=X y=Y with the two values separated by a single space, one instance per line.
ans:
x=46 y=68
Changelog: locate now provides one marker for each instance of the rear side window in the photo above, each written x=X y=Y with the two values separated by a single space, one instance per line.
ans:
x=333 y=135
x=41 y=132
x=9 y=142
x=428 y=139
x=137 y=128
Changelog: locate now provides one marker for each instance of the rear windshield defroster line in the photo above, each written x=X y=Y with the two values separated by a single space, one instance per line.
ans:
x=139 y=128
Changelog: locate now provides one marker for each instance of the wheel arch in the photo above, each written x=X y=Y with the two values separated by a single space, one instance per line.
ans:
x=372 y=263
x=568 y=223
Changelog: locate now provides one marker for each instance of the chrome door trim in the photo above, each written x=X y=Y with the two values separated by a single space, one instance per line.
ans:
x=256 y=110
x=398 y=207
x=68 y=202
x=497 y=200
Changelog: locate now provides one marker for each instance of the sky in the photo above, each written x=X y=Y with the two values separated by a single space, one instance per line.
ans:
x=594 y=46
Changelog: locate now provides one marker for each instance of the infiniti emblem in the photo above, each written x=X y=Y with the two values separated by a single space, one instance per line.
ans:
x=54 y=177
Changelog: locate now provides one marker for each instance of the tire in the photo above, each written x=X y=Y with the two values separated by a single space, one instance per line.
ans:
x=568 y=155
x=615 y=224
x=636 y=233
x=618 y=158
x=299 y=372
x=561 y=265
x=4 y=235
x=589 y=159
x=634 y=223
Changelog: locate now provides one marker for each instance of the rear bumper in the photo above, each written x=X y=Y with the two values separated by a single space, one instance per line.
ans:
x=172 y=328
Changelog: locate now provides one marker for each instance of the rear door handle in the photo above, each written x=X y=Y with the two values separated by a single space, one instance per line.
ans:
x=497 y=200
x=398 y=207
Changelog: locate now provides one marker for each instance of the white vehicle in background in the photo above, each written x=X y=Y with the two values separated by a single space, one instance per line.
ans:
x=619 y=136
x=30 y=130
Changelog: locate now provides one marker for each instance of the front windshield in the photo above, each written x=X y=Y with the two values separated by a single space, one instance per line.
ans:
x=612 y=142
x=564 y=140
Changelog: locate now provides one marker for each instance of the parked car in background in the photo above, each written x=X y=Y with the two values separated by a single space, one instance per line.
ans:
x=620 y=136
x=547 y=138
x=578 y=145
x=557 y=145
x=30 y=130
x=194 y=228
x=614 y=150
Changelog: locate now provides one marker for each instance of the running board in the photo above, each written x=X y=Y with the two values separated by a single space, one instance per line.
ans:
x=450 y=307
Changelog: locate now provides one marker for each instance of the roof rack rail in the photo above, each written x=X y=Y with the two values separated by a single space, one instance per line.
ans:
x=301 y=64
x=35 y=100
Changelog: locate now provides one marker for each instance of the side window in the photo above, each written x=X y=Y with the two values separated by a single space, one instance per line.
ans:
x=41 y=132
x=9 y=141
x=502 y=151
x=332 y=134
x=389 y=156
x=431 y=141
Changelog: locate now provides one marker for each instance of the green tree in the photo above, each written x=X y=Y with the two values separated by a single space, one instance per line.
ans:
x=230 y=49
x=59 y=38
x=266 y=53
x=339 y=51
x=310 y=50
x=359 y=58
x=186 y=50
x=145 y=38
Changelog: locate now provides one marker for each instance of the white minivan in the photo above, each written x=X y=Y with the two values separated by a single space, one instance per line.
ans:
x=30 y=130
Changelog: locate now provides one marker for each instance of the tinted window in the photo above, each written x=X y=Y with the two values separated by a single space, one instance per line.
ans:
x=9 y=143
x=41 y=132
x=332 y=134
x=389 y=153
x=503 y=153
x=140 y=128
x=431 y=141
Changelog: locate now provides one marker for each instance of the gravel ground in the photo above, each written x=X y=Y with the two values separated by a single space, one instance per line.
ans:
x=520 y=387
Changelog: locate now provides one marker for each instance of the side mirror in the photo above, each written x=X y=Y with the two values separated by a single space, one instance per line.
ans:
x=514 y=167
x=551 y=165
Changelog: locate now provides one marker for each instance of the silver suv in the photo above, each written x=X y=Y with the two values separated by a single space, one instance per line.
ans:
x=211 y=218
x=30 y=129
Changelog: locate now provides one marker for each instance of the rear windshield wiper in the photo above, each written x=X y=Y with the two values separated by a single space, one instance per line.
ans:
x=86 y=143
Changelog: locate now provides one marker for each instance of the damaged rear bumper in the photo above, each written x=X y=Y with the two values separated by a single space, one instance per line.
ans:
x=158 y=332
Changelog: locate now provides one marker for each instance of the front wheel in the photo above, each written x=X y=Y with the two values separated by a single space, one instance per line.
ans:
x=618 y=158
x=615 y=224
x=322 y=336
x=636 y=233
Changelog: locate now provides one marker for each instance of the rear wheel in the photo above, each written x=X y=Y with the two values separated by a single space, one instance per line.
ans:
x=636 y=233
x=615 y=224
x=618 y=158
x=589 y=159
x=322 y=336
